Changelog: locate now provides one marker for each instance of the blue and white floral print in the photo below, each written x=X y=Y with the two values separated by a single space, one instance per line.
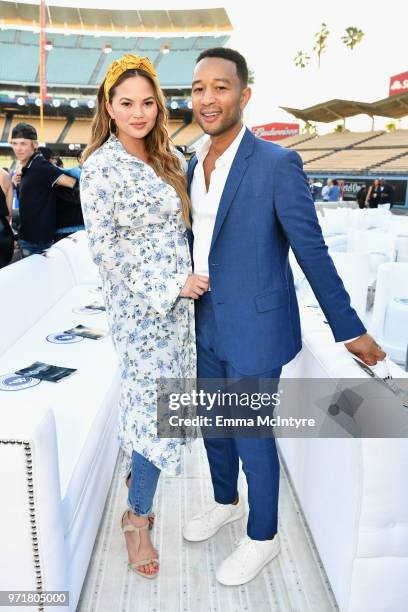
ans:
x=137 y=238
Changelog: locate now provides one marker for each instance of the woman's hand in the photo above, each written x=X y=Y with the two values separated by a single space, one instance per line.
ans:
x=195 y=286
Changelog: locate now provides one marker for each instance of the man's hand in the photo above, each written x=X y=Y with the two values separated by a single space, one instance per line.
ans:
x=17 y=178
x=366 y=348
x=195 y=286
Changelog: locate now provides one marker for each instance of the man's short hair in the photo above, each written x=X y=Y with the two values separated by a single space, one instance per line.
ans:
x=231 y=55
x=24 y=130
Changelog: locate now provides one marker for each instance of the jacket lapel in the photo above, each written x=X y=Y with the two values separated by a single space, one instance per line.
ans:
x=190 y=171
x=235 y=176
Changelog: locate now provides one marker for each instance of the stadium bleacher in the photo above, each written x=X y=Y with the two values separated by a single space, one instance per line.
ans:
x=80 y=60
x=53 y=126
x=188 y=135
x=337 y=140
x=353 y=152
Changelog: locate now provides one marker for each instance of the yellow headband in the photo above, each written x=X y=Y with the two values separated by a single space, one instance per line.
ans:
x=127 y=62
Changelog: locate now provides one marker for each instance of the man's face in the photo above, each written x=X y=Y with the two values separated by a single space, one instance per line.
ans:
x=217 y=95
x=23 y=148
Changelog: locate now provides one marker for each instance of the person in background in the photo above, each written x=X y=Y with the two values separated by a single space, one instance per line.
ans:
x=361 y=196
x=334 y=191
x=385 y=195
x=58 y=162
x=326 y=189
x=35 y=182
x=6 y=233
x=69 y=212
x=372 y=194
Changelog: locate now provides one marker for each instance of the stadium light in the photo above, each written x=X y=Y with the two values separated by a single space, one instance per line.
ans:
x=56 y=103
x=20 y=101
x=73 y=103
x=174 y=105
x=107 y=48
x=48 y=45
x=91 y=103
x=165 y=48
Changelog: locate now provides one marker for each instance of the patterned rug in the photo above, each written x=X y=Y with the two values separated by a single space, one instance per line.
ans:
x=293 y=582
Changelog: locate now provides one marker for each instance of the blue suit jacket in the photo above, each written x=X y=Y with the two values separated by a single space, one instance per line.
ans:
x=266 y=207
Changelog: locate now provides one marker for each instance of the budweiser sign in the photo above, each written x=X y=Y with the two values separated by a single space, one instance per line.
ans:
x=275 y=131
x=399 y=83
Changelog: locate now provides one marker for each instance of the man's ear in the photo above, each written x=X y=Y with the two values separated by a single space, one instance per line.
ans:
x=245 y=97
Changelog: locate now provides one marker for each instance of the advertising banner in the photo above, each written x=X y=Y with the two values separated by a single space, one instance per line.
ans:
x=275 y=131
x=399 y=83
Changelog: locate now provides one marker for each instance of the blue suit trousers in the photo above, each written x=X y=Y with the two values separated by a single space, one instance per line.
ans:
x=259 y=456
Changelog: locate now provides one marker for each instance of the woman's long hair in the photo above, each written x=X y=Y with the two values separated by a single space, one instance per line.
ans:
x=166 y=164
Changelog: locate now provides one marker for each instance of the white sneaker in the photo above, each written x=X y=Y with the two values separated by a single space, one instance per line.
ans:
x=247 y=560
x=207 y=523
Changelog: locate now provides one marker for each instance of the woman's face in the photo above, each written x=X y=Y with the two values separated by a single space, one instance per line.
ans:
x=376 y=182
x=133 y=107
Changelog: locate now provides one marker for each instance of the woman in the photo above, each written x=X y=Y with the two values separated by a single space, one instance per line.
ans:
x=372 y=195
x=6 y=233
x=136 y=209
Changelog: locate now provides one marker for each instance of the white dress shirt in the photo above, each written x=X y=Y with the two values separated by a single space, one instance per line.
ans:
x=205 y=203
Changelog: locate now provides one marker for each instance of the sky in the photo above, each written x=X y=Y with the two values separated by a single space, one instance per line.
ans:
x=269 y=34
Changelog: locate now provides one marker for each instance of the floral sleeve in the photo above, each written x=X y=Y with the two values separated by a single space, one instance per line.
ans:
x=160 y=290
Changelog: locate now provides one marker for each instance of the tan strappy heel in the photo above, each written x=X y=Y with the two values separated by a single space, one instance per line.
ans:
x=135 y=566
x=151 y=516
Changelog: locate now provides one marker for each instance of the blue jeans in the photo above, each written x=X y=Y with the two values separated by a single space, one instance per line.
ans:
x=259 y=456
x=33 y=248
x=145 y=476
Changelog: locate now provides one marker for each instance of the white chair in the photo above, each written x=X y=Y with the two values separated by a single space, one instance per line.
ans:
x=398 y=227
x=380 y=246
x=353 y=269
x=389 y=324
x=377 y=218
x=336 y=221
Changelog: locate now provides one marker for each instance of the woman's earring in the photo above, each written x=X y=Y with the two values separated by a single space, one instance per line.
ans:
x=110 y=126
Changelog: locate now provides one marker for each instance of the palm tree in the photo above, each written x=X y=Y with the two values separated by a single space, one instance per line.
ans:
x=320 y=46
x=309 y=128
x=302 y=59
x=353 y=37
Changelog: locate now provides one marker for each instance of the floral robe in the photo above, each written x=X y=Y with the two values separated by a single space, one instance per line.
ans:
x=138 y=240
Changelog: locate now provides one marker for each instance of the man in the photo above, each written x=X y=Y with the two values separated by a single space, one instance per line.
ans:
x=250 y=202
x=361 y=196
x=385 y=195
x=35 y=182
